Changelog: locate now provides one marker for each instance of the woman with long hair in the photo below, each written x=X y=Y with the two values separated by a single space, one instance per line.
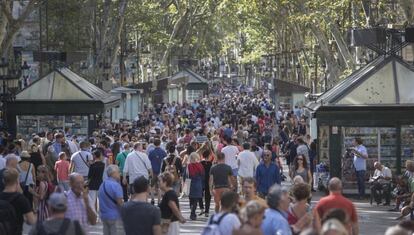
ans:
x=301 y=168
x=41 y=193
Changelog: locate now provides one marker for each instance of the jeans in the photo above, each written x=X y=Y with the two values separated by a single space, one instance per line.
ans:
x=361 y=182
x=124 y=190
x=193 y=204
x=207 y=198
x=110 y=227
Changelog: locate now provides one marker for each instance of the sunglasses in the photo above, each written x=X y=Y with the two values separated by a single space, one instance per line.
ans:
x=300 y=159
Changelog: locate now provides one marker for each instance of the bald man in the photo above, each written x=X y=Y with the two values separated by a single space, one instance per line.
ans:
x=335 y=200
x=381 y=184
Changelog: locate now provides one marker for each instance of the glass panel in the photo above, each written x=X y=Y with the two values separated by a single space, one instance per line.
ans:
x=378 y=89
x=50 y=123
x=27 y=125
x=76 y=125
x=374 y=139
x=407 y=144
x=405 y=84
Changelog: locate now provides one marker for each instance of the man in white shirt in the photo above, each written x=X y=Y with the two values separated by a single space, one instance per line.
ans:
x=137 y=164
x=381 y=183
x=230 y=158
x=81 y=160
x=247 y=163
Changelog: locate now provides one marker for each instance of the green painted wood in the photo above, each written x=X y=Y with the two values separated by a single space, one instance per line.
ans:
x=335 y=152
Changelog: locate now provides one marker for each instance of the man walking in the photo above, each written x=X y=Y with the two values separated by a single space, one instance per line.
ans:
x=220 y=180
x=110 y=199
x=138 y=216
x=156 y=156
x=360 y=163
x=57 y=223
x=247 y=163
x=120 y=161
x=136 y=165
x=230 y=152
x=337 y=200
x=267 y=174
x=81 y=160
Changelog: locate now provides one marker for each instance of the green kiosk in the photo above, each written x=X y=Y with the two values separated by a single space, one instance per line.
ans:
x=376 y=104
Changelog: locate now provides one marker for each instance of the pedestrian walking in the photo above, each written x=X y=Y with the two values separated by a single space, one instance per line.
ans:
x=41 y=193
x=120 y=161
x=95 y=177
x=81 y=160
x=337 y=200
x=220 y=180
x=301 y=168
x=252 y=217
x=136 y=165
x=196 y=175
x=57 y=223
x=138 y=216
x=110 y=200
x=27 y=175
x=62 y=171
x=247 y=163
x=267 y=174
x=156 y=156
x=170 y=209
x=207 y=164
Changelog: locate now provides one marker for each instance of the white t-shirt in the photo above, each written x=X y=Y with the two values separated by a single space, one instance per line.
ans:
x=80 y=160
x=230 y=153
x=136 y=165
x=385 y=172
x=228 y=223
x=247 y=163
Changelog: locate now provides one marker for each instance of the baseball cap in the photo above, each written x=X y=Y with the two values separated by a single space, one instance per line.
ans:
x=58 y=201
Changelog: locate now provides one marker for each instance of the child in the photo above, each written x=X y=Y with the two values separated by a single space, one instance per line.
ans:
x=62 y=171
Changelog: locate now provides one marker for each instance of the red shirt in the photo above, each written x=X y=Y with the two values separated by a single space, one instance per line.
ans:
x=336 y=200
x=62 y=170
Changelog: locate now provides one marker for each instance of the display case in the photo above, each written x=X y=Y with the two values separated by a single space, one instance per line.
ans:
x=407 y=143
x=324 y=144
x=78 y=125
x=28 y=125
x=381 y=146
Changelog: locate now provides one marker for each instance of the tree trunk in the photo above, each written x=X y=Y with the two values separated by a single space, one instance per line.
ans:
x=12 y=26
x=340 y=42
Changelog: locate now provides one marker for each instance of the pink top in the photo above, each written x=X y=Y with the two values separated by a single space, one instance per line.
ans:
x=62 y=170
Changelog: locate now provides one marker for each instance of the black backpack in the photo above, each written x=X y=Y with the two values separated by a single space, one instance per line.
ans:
x=62 y=230
x=8 y=217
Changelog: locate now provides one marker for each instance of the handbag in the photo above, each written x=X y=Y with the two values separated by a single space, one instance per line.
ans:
x=165 y=225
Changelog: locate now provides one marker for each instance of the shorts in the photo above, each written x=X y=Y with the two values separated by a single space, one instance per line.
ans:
x=155 y=181
x=217 y=192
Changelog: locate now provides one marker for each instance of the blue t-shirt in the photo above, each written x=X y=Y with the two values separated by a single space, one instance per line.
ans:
x=267 y=176
x=275 y=223
x=156 y=156
x=107 y=207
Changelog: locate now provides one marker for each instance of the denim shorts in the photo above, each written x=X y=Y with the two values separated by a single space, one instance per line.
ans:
x=235 y=171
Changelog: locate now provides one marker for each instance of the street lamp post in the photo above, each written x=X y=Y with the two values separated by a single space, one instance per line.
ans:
x=25 y=71
x=134 y=70
x=10 y=83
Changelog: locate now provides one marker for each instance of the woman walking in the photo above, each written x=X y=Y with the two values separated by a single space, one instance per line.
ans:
x=170 y=209
x=301 y=168
x=42 y=193
x=26 y=175
x=196 y=174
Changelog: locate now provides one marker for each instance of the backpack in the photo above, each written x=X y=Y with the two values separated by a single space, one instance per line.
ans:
x=212 y=227
x=8 y=217
x=62 y=230
x=171 y=168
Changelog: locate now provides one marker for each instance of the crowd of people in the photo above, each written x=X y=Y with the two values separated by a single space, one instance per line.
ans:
x=131 y=177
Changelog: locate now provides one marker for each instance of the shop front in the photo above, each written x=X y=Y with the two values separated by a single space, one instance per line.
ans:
x=374 y=104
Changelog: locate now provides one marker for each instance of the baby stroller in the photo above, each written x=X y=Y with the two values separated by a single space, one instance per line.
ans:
x=322 y=175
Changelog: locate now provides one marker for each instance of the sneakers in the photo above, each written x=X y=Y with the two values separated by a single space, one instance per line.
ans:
x=193 y=217
x=206 y=215
x=152 y=202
